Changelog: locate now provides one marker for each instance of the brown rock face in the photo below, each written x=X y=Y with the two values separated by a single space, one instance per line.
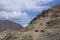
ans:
x=4 y=36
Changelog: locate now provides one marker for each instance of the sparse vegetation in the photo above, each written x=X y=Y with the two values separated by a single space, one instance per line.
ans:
x=42 y=27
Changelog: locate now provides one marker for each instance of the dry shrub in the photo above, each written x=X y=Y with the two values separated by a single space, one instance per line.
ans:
x=42 y=30
x=36 y=30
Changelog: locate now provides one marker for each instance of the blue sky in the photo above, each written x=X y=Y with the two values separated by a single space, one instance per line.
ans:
x=23 y=11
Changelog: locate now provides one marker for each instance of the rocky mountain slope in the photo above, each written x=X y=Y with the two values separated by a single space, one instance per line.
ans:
x=45 y=20
x=9 y=25
x=45 y=26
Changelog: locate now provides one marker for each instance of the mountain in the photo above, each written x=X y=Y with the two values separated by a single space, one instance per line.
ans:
x=47 y=19
x=9 y=25
x=45 y=26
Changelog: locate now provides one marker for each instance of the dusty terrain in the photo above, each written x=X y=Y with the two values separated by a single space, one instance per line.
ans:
x=45 y=26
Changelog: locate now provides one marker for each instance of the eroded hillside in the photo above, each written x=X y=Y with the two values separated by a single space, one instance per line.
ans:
x=45 y=26
x=42 y=19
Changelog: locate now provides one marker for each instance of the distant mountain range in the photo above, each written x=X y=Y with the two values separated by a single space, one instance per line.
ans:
x=9 y=25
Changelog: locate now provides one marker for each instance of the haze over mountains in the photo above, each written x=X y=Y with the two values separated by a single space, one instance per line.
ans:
x=9 y=25
x=45 y=26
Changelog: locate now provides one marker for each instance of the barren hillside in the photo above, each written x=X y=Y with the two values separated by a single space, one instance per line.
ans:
x=45 y=26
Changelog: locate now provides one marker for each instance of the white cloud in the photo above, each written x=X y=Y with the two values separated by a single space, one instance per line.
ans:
x=15 y=9
x=13 y=15
x=44 y=1
x=21 y=5
x=25 y=25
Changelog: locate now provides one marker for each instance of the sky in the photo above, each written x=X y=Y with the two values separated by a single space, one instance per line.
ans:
x=23 y=11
